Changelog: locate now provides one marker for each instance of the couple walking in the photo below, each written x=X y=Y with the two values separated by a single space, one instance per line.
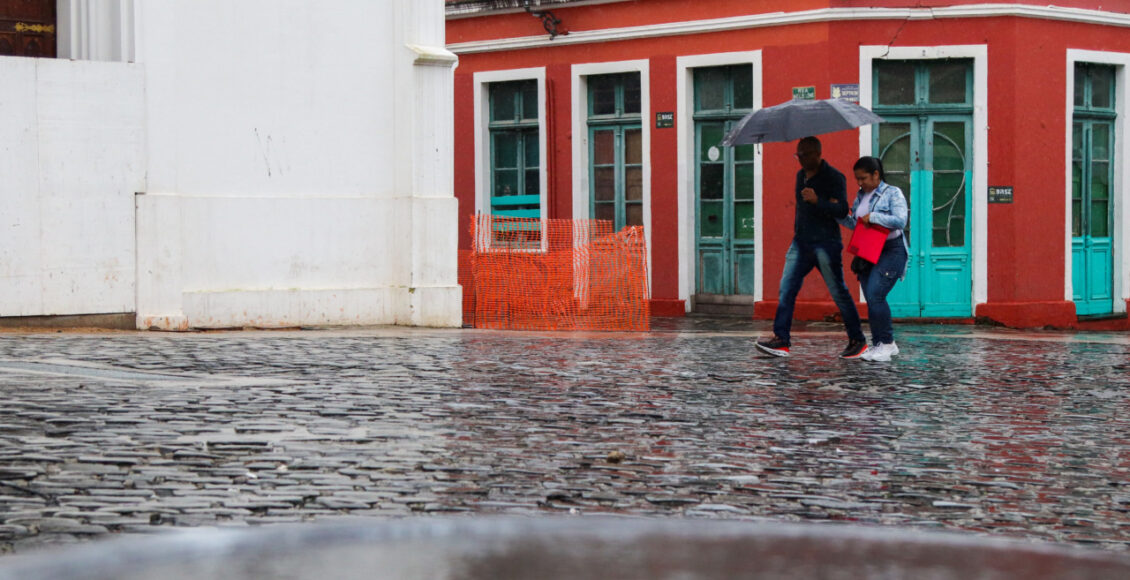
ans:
x=821 y=204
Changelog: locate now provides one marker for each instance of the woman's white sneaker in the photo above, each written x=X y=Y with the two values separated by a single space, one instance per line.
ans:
x=881 y=352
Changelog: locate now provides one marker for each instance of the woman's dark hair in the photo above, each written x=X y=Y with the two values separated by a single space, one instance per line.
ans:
x=870 y=165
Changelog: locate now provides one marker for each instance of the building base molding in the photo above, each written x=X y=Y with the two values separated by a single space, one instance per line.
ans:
x=667 y=307
x=1054 y=314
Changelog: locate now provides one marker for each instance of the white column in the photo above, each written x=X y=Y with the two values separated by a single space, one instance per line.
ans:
x=96 y=30
x=424 y=79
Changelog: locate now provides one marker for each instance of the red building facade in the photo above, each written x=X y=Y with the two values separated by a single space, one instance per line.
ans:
x=1005 y=124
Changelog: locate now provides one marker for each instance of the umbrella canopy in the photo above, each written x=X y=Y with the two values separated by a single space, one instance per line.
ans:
x=796 y=119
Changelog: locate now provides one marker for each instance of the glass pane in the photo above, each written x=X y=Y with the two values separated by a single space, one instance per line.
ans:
x=633 y=214
x=743 y=153
x=1100 y=219
x=1102 y=87
x=505 y=149
x=506 y=182
x=743 y=220
x=529 y=100
x=1080 y=85
x=949 y=146
x=603 y=94
x=1100 y=141
x=894 y=147
x=709 y=149
x=1077 y=180
x=1077 y=141
x=632 y=94
x=605 y=211
x=894 y=150
x=530 y=142
x=743 y=87
x=603 y=147
x=533 y=182
x=633 y=146
x=947 y=81
x=710 y=181
x=633 y=183
x=604 y=184
x=710 y=88
x=949 y=209
x=710 y=220
x=743 y=181
x=1100 y=180
x=896 y=83
x=502 y=101
x=1077 y=218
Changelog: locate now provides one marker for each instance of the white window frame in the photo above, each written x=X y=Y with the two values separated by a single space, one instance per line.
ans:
x=1121 y=262
x=979 y=188
x=581 y=186
x=482 y=82
x=684 y=123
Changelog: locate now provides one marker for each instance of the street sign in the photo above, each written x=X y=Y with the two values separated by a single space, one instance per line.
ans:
x=1000 y=194
x=807 y=93
x=847 y=92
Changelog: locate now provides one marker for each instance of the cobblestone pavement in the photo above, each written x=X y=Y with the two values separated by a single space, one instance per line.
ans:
x=1018 y=434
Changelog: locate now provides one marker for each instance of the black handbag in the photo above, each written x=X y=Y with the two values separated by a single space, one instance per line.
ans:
x=860 y=266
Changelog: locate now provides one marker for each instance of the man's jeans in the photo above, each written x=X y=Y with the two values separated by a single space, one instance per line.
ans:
x=877 y=283
x=800 y=260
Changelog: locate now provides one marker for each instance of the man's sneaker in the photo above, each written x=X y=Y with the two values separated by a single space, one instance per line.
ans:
x=881 y=352
x=773 y=346
x=855 y=349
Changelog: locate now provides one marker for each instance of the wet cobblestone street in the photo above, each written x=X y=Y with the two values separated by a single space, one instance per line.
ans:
x=1018 y=434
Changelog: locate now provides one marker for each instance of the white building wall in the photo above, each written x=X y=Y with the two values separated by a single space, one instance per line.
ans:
x=298 y=164
x=73 y=158
x=291 y=161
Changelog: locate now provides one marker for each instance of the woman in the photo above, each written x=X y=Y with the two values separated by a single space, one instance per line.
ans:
x=882 y=204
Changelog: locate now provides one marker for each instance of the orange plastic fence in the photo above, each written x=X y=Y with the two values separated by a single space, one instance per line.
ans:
x=533 y=274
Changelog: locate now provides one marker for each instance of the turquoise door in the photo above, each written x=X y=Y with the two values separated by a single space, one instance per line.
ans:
x=725 y=225
x=724 y=184
x=1092 y=140
x=926 y=149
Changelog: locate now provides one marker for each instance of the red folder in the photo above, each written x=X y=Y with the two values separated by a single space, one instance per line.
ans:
x=867 y=241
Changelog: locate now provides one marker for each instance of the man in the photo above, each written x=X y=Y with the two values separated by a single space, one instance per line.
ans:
x=821 y=198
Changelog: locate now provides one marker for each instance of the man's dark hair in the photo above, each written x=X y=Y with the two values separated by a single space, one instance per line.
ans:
x=812 y=142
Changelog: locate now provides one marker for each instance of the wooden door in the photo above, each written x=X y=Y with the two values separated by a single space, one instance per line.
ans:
x=27 y=28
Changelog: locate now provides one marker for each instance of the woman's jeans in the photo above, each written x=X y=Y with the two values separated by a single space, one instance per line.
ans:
x=800 y=260
x=877 y=281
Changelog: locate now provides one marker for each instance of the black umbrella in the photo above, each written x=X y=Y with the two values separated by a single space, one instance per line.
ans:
x=798 y=118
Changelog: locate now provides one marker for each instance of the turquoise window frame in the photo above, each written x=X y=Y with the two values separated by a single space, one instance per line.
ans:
x=619 y=122
x=521 y=129
x=1085 y=116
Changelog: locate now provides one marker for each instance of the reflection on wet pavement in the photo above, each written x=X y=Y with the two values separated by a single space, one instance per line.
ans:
x=1016 y=434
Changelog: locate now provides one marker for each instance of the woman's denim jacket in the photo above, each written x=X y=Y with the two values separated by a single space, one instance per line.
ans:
x=888 y=209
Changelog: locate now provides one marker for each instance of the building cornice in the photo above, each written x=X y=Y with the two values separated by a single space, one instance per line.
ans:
x=477 y=8
x=801 y=17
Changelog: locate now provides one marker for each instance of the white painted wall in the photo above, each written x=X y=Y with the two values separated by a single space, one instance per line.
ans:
x=292 y=160
x=299 y=159
x=73 y=155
